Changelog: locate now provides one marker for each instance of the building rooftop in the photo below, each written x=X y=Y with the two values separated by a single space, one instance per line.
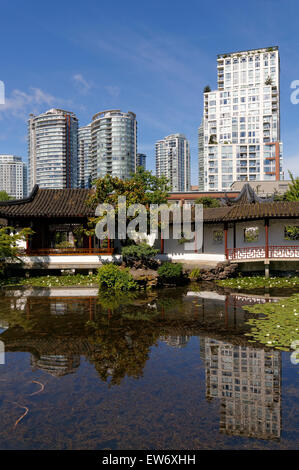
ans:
x=261 y=49
x=73 y=203
x=49 y=202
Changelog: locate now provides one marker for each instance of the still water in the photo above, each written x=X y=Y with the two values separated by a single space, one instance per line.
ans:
x=166 y=370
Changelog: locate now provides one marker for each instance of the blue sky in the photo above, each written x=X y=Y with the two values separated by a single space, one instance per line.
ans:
x=153 y=58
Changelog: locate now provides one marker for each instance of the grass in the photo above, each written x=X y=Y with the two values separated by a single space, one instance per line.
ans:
x=256 y=282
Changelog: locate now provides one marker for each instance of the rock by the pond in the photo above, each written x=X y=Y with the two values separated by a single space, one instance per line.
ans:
x=223 y=270
x=145 y=277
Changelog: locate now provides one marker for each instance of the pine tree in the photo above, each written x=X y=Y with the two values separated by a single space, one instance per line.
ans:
x=292 y=193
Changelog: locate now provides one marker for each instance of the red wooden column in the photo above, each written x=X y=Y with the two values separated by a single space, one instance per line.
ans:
x=225 y=240
x=89 y=243
x=266 y=238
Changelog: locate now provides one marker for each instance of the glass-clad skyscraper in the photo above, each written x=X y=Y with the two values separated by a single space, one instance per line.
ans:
x=141 y=160
x=84 y=157
x=173 y=161
x=114 y=143
x=53 y=149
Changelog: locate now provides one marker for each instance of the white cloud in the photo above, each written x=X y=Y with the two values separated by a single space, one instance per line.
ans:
x=82 y=83
x=20 y=104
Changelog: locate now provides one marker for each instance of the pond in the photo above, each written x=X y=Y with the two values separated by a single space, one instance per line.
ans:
x=170 y=369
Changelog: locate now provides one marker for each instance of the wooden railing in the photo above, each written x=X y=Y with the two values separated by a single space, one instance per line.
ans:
x=260 y=252
x=280 y=251
x=69 y=251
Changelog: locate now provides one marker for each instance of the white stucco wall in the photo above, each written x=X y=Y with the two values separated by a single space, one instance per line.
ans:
x=276 y=232
x=71 y=261
x=210 y=246
x=21 y=243
x=240 y=227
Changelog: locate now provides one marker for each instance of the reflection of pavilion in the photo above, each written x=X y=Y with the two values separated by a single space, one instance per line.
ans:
x=247 y=381
x=57 y=365
x=175 y=341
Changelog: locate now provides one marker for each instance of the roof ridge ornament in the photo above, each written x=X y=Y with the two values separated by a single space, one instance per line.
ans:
x=247 y=196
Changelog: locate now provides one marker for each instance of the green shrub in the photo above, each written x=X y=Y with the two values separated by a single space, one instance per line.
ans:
x=115 y=278
x=64 y=244
x=208 y=201
x=195 y=274
x=170 y=271
x=140 y=256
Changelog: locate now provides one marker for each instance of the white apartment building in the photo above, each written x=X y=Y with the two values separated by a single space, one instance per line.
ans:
x=173 y=161
x=114 y=143
x=239 y=138
x=53 y=149
x=13 y=176
x=84 y=157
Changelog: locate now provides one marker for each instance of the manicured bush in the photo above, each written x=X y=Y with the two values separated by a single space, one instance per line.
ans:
x=115 y=278
x=170 y=272
x=140 y=256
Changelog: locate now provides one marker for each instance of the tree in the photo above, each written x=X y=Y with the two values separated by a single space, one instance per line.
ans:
x=142 y=188
x=292 y=193
x=4 y=196
x=207 y=89
x=208 y=201
x=9 y=248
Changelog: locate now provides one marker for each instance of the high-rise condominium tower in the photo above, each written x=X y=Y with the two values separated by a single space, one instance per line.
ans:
x=84 y=157
x=13 y=176
x=173 y=161
x=141 y=160
x=53 y=149
x=114 y=143
x=239 y=138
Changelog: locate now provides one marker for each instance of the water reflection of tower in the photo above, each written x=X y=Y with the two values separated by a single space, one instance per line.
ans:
x=247 y=380
x=175 y=341
x=55 y=364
